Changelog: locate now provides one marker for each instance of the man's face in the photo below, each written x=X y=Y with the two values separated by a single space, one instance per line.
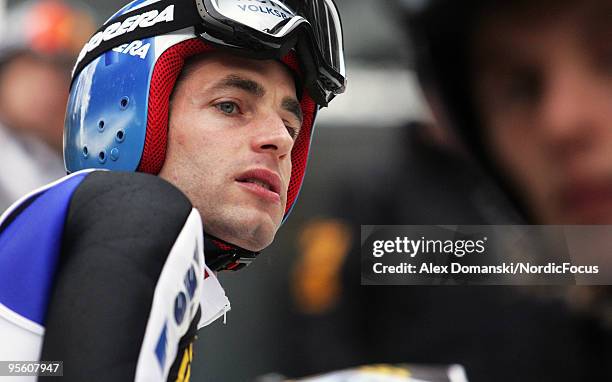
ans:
x=33 y=96
x=543 y=81
x=233 y=124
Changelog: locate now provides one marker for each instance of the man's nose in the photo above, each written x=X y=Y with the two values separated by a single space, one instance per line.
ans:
x=569 y=111
x=271 y=136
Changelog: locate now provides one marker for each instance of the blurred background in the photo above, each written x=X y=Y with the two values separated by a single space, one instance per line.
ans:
x=377 y=159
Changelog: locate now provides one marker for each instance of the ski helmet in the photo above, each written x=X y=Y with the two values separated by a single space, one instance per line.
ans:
x=117 y=115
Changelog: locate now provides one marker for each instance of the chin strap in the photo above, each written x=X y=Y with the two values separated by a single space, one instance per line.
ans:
x=223 y=256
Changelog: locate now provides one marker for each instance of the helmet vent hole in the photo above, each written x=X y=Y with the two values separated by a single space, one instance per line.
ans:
x=125 y=101
x=101 y=125
x=102 y=157
x=85 y=152
x=120 y=136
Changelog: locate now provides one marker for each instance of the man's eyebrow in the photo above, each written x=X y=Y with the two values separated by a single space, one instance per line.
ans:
x=234 y=81
x=293 y=106
x=237 y=82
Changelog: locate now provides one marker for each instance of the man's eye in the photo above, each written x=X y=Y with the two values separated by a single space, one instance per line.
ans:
x=293 y=132
x=523 y=89
x=227 y=107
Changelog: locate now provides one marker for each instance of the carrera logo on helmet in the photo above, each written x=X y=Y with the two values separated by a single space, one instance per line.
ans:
x=135 y=48
x=144 y=20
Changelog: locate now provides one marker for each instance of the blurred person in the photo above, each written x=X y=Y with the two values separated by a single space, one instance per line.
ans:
x=525 y=85
x=203 y=113
x=527 y=90
x=40 y=41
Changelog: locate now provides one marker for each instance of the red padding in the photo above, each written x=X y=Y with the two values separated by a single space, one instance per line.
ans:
x=299 y=154
x=166 y=71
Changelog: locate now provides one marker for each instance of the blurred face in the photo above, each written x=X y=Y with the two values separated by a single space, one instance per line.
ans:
x=544 y=85
x=233 y=123
x=33 y=96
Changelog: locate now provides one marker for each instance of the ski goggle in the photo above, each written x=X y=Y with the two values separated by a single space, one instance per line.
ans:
x=257 y=28
x=312 y=26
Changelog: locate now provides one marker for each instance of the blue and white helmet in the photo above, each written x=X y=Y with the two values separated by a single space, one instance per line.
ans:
x=117 y=115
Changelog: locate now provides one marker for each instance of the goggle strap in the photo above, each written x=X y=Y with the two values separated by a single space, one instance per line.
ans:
x=179 y=14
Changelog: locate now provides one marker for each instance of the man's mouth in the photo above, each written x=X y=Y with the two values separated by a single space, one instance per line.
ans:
x=257 y=182
x=262 y=182
x=590 y=201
